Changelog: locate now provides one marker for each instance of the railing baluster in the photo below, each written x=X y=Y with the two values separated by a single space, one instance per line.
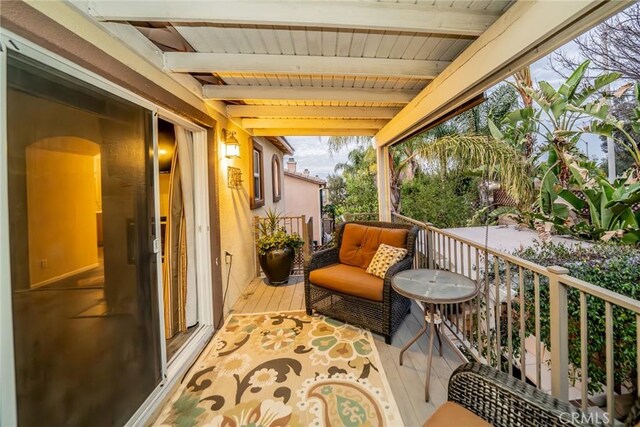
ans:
x=487 y=305
x=449 y=252
x=455 y=257
x=584 y=367
x=498 y=311
x=469 y=269
x=536 y=301
x=425 y=248
x=479 y=305
x=523 y=352
x=509 y=317
x=608 y=315
x=638 y=354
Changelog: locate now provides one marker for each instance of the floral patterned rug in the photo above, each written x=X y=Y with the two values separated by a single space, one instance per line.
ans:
x=285 y=369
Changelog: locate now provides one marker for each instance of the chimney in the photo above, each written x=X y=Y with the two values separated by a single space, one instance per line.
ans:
x=306 y=172
x=291 y=165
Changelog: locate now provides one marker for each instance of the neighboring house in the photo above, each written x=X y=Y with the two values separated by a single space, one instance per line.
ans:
x=303 y=196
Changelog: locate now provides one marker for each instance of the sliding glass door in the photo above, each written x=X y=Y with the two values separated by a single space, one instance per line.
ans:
x=83 y=265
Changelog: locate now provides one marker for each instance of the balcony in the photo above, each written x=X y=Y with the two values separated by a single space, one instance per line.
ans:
x=532 y=345
x=94 y=342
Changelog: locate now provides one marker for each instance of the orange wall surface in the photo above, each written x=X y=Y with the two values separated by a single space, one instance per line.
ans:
x=61 y=194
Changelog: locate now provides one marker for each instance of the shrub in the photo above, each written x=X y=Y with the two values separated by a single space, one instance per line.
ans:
x=444 y=203
x=613 y=267
x=361 y=193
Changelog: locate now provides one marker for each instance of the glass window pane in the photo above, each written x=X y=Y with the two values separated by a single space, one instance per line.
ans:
x=85 y=308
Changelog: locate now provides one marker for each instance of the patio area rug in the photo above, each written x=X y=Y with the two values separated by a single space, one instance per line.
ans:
x=285 y=369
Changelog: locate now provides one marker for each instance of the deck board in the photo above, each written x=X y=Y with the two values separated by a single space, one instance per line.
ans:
x=406 y=382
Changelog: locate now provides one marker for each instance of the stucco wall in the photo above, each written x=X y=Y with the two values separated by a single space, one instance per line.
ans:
x=303 y=198
x=236 y=216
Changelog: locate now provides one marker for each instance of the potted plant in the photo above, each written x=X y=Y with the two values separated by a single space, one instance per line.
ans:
x=276 y=249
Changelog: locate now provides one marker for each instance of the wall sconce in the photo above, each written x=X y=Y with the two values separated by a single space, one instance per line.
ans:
x=231 y=146
x=234 y=177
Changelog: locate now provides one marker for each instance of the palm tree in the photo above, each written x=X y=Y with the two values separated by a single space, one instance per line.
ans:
x=499 y=160
x=462 y=143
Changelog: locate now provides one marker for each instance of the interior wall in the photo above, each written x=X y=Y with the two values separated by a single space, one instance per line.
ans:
x=62 y=200
x=236 y=216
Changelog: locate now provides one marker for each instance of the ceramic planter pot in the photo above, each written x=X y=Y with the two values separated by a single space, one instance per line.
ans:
x=277 y=264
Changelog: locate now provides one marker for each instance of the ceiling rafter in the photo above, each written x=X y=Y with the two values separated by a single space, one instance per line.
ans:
x=188 y=62
x=311 y=111
x=238 y=93
x=422 y=18
x=313 y=123
x=314 y=132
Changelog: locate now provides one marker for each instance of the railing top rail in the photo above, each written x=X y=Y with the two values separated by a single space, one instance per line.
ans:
x=597 y=291
x=411 y=220
x=536 y=268
x=602 y=293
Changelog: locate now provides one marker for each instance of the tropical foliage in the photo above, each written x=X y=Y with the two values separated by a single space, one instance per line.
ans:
x=573 y=194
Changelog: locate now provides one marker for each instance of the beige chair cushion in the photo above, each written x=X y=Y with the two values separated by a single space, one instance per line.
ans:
x=450 y=413
x=384 y=258
x=360 y=243
x=349 y=280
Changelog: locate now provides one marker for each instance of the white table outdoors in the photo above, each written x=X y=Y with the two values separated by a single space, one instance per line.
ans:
x=432 y=288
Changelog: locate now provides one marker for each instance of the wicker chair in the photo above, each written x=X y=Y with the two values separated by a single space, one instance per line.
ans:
x=505 y=401
x=383 y=317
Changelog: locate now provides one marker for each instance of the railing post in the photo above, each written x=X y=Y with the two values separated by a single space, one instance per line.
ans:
x=430 y=249
x=559 y=334
x=384 y=183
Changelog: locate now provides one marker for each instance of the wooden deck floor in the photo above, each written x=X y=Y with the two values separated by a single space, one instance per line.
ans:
x=407 y=382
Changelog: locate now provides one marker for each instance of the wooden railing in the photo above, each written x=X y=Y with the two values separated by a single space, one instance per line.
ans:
x=292 y=224
x=505 y=324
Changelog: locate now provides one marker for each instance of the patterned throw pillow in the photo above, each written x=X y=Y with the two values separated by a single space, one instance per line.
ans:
x=384 y=258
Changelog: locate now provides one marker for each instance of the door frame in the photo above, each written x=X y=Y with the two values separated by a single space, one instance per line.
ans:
x=8 y=402
x=170 y=372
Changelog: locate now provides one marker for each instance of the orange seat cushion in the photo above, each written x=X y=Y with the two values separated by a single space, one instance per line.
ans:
x=450 y=412
x=349 y=280
x=360 y=243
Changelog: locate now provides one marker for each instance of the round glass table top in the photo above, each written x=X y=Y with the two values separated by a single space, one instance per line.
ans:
x=434 y=286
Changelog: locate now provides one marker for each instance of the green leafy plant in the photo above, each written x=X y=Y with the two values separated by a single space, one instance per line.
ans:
x=453 y=199
x=613 y=267
x=272 y=235
x=570 y=184
x=279 y=240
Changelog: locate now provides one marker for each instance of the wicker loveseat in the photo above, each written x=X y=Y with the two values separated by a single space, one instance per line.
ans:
x=336 y=283
x=481 y=396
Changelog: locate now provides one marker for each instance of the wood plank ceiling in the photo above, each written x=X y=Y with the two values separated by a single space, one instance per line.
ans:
x=307 y=67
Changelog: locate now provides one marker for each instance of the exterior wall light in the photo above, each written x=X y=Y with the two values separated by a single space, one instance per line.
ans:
x=232 y=146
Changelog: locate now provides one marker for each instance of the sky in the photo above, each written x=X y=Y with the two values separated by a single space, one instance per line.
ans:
x=311 y=152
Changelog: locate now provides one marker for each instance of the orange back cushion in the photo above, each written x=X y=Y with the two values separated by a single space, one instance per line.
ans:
x=360 y=243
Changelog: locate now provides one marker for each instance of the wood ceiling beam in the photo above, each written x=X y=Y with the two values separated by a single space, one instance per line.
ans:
x=314 y=132
x=238 y=93
x=421 y=18
x=312 y=123
x=191 y=62
x=527 y=31
x=311 y=112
